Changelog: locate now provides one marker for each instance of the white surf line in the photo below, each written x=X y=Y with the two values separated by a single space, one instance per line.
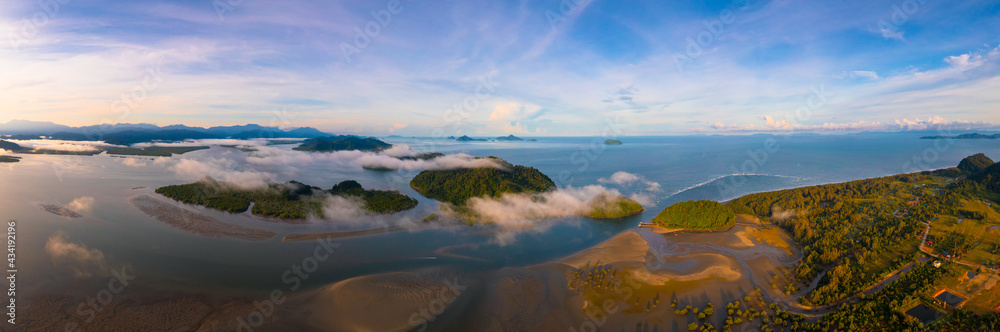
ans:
x=728 y=175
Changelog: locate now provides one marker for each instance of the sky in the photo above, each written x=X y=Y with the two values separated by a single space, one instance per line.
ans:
x=529 y=68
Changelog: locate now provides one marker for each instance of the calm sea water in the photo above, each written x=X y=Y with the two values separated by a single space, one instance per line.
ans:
x=701 y=167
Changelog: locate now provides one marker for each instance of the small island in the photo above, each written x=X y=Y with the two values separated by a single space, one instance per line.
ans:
x=509 y=138
x=696 y=215
x=9 y=159
x=612 y=142
x=469 y=139
x=342 y=143
x=964 y=136
x=292 y=200
x=606 y=207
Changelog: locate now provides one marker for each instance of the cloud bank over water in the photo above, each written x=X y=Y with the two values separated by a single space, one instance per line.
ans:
x=524 y=209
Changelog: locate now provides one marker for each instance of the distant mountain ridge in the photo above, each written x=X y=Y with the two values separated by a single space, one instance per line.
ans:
x=964 y=136
x=129 y=133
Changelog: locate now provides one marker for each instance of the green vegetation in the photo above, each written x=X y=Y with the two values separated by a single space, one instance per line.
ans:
x=619 y=207
x=292 y=200
x=975 y=163
x=342 y=143
x=458 y=185
x=696 y=215
x=9 y=159
x=612 y=142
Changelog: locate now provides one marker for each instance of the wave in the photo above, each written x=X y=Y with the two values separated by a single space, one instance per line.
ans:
x=720 y=177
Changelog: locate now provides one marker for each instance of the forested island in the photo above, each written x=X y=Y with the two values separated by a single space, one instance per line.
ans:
x=342 y=143
x=291 y=200
x=612 y=142
x=696 y=215
x=9 y=159
x=458 y=185
x=615 y=207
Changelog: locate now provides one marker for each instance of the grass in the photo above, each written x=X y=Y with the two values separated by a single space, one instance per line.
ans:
x=773 y=236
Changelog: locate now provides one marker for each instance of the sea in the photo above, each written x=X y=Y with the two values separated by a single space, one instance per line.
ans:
x=53 y=250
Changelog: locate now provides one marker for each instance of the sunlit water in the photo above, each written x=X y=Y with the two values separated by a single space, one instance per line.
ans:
x=706 y=167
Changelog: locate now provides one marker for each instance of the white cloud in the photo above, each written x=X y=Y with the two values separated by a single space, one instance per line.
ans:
x=133 y=162
x=514 y=112
x=82 y=204
x=222 y=169
x=865 y=74
x=627 y=179
x=518 y=210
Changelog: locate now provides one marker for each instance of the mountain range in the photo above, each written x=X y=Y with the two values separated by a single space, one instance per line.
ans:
x=129 y=133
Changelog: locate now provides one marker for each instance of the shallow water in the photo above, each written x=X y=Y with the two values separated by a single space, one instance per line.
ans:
x=704 y=167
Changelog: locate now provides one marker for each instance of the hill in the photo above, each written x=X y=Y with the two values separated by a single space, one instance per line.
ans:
x=458 y=185
x=509 y=138
x=696 y=215
x=975 y=163
x=989 y=178
x=10 y=146
x=341 y=143
x=469 y=139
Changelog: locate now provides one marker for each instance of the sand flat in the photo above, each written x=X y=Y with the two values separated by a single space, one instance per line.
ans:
x=196 y=223
x=628 y=246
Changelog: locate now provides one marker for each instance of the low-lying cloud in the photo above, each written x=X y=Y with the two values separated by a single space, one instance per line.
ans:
x=81 y=204
x=521 y=209
x=222 y=169
x=60 y=145
x=644 y=196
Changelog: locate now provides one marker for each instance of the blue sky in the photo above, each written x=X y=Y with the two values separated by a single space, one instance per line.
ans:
x=531 y=68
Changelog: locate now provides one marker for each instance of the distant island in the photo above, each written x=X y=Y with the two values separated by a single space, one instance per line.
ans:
x=964 y=136
x=9 y=159
x=612 y=142
x=423 y=156
x=291 y=200
x=469 y=139
x=342 y=143
x=696 y=215
x=509 y=138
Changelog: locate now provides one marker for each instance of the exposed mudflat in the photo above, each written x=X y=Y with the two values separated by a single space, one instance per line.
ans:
x=196 y=223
